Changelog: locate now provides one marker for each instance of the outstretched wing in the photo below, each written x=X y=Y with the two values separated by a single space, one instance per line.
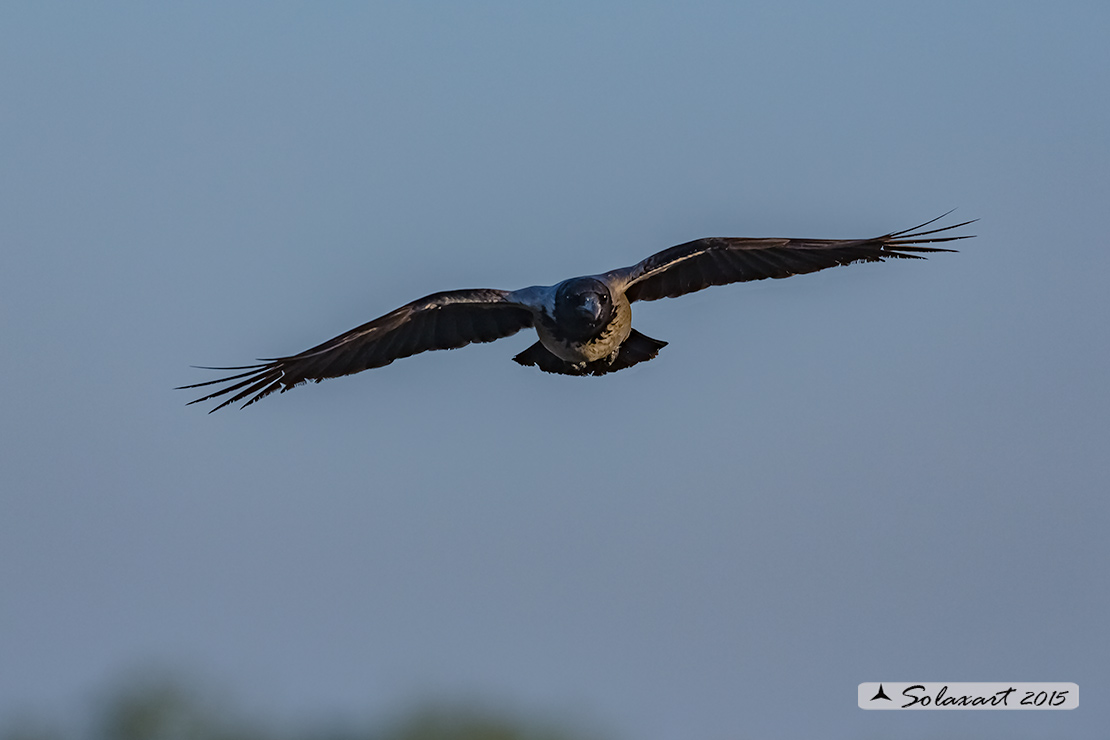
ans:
x=439 y=321
x=721 y=260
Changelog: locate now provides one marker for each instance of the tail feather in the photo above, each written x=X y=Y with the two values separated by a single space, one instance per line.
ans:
x=636 y=349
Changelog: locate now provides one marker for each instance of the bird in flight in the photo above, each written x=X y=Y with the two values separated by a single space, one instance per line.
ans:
x=584 y=324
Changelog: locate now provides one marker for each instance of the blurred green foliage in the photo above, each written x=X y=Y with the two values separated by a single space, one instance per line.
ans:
x=168 y=710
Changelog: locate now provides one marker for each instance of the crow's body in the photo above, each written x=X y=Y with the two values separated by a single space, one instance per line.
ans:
x=584 y=324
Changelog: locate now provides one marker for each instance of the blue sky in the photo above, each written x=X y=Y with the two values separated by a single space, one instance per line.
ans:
x=881 y=472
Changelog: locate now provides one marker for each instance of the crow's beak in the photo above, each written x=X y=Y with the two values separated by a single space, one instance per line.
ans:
x=591 y=307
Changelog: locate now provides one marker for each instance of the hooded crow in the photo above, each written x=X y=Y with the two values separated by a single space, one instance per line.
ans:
x=584 y=323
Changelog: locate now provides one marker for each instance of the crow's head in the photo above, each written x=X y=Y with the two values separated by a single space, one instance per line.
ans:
x=583 y=307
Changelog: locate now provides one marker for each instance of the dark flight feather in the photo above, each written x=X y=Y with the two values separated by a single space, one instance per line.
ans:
x=440 y=321
x=702 y=263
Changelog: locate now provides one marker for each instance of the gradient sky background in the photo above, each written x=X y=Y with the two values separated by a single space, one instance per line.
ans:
x=881 y=472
